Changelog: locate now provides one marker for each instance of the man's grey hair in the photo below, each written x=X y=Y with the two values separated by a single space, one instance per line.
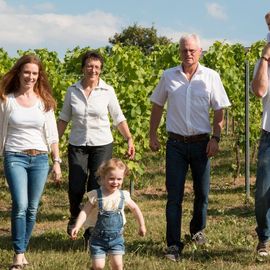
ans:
x=190 y=36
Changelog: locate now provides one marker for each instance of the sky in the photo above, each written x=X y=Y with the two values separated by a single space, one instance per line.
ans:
x=59 y=25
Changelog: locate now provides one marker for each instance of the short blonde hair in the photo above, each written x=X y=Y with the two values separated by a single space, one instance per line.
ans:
x=111 y=165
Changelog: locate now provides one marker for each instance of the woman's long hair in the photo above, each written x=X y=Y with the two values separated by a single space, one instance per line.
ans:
x=10 y=82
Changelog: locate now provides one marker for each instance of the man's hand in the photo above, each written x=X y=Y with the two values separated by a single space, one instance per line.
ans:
x=212 y=148
x=154 y=143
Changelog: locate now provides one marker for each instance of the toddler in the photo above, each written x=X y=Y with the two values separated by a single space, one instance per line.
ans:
x=105 y=212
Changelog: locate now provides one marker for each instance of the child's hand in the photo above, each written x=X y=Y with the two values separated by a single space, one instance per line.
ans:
x=142 y=230
x=74 y=233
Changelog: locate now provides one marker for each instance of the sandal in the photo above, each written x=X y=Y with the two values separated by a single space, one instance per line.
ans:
x=25 y=262
x=16 y=267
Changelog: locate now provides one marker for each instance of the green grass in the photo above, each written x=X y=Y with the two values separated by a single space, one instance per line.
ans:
x=230 y=225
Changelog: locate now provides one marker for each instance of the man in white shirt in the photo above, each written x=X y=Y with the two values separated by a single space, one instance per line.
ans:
x=191 y=90
x=261 y=88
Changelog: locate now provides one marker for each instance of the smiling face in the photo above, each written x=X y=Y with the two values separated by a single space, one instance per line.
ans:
x=113 y=180
x=28 y=76
x=92 y=69
x=190 y=52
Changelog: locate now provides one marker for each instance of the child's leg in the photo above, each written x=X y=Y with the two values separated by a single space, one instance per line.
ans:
x=98 y=264
x=116 y=262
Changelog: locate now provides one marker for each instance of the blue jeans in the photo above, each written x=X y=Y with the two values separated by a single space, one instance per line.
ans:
x=26 y=176
x=179 y=156
x=262 y=192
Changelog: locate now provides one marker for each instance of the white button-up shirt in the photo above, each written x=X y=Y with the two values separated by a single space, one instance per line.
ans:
x=90 y=116
x=189 y=101
x=265 y=101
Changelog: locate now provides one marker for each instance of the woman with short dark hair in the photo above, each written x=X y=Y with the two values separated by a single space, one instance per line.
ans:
x=88 y=104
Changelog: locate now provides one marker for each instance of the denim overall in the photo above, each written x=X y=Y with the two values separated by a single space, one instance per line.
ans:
x=107 y=236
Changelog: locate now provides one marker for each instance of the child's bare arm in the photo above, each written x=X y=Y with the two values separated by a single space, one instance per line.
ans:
x=81 y=219
x=138 y=215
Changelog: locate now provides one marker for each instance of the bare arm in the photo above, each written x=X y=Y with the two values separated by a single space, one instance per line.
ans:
x=155 y=118
x=260 y=81
x=124 y=130
x=81 y=219
x=212 y=147
x=138 y=215
x=61 y=127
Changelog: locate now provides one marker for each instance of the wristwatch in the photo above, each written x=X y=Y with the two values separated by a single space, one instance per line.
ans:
x=217 y=138
x=59 y=160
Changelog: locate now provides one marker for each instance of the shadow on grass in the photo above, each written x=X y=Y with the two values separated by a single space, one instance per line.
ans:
x=239 y=211
x=232 y=189
x=47 y=242
x=153 y=196
x=145 y=247
x=43 y=217
x=5 y=214
x=228 y=254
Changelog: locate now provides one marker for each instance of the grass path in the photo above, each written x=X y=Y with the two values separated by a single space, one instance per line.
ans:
x=230 y=227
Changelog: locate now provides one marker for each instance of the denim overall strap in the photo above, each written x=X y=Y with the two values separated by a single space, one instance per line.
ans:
x=122 y=199
x=99 y=198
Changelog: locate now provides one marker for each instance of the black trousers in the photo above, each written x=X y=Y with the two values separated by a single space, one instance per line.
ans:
x=83 y=163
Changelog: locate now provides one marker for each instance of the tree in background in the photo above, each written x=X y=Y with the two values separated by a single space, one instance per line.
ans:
x=144 y=37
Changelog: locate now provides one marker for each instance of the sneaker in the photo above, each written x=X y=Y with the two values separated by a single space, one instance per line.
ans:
x=70 y=225
x=173 y=253
x=199 y=238
x=262 y=249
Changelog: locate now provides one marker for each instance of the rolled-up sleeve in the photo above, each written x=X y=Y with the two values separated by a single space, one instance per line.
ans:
x=219 y=98
x=115 y=109
x=160 y=94
x=51 y=128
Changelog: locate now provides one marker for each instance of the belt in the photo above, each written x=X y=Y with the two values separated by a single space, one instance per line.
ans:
x=33 y=152
x=189 y=139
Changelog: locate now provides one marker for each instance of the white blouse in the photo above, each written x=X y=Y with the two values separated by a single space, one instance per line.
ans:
x=90 y=116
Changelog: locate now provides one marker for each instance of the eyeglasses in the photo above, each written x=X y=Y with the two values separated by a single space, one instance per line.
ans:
x=89 y=67
x=185 y=51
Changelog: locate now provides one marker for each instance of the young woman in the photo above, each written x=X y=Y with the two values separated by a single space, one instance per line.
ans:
x=28 y=132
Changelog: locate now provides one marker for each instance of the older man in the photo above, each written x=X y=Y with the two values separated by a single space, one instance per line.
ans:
x=191 y=90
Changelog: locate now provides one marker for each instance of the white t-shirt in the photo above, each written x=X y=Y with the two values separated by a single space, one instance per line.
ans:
x=109 y=203
x=25 y=128
x=189 y=101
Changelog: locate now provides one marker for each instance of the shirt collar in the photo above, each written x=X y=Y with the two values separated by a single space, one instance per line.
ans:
x=101 y=85
x=198 y=71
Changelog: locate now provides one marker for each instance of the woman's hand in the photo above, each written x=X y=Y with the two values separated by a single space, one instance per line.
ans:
x=56 y=171
x=131 y=148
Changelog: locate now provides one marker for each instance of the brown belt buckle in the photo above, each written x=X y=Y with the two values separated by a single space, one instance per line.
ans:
x=32 y=152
